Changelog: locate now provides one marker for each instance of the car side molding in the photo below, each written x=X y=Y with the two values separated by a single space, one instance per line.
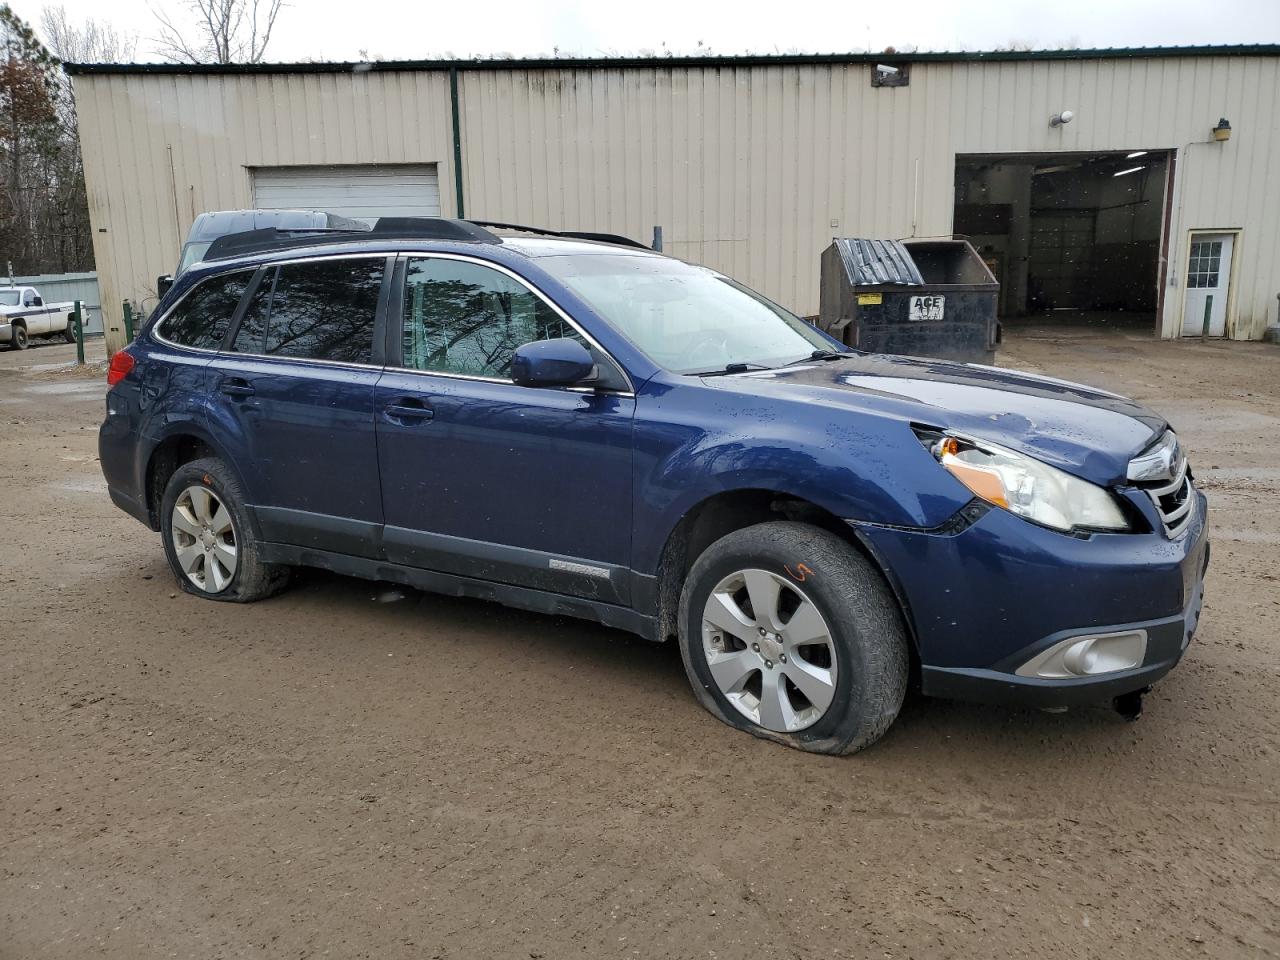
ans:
x=453 y=585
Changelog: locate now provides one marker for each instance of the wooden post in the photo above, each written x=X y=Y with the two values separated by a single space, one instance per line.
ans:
x=128 y=322
x=79 y=324
x=1208 y=311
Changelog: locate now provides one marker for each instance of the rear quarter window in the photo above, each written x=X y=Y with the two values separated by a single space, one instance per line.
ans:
x=201 y=319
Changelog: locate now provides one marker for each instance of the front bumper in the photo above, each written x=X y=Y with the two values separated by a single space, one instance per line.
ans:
x=984 y=601
x=6 y=332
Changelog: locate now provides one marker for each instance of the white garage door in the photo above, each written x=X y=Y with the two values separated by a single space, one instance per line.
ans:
x=366 y=191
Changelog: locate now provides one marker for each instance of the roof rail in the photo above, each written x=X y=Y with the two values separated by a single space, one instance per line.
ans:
x=405 y=228
x=571 y=234
x=401 y=228
x=433 y=228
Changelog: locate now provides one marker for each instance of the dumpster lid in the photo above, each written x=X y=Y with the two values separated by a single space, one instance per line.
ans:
x=872 y=263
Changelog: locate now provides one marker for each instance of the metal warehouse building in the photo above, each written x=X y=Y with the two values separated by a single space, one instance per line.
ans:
x=1159 y=191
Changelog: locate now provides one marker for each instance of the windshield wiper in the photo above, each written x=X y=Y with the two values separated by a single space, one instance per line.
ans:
x=819 y=355
x=738 y=367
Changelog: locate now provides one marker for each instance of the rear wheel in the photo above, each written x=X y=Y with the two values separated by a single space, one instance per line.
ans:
x=18 y=337
x=208 y=539
x=70 y=332
x=790 y=634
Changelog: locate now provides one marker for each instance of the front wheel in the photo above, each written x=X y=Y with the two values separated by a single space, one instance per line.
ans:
x=208 y=539
x=789 y=633
x=18 y=337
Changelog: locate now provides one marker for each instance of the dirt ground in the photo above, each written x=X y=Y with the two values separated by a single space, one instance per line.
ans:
x=339 y=773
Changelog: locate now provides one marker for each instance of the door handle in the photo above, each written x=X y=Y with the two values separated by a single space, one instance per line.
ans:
x=235 y=387
x=407 y=408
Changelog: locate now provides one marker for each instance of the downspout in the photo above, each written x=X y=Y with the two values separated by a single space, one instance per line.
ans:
x=1175 y=247
x=457 y=141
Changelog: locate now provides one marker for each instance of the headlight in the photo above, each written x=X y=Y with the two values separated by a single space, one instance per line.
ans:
x=1027 y=487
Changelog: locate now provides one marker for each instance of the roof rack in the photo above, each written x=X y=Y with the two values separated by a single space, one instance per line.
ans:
x=401 y=228
x=404 y=228
x=433 y=228
x=267 y=238
x=571 y=234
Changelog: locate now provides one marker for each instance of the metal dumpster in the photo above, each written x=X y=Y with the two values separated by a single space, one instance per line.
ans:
x=923 y=298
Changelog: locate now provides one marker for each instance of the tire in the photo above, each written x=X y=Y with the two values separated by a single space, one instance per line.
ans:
x=860 y=627
x=70 y=333
x=18 y=337
x=218 y=559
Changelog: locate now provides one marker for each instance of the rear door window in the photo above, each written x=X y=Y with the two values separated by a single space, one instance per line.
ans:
x=202 y=318
x=318 y=310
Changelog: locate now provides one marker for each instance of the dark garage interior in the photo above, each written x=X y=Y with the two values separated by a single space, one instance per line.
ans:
x=1073 y=238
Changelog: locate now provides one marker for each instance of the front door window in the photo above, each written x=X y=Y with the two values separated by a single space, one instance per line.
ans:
x=465 y=318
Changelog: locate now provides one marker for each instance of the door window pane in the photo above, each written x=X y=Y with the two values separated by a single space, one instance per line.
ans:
x=462 y=317
x=325 y=310
x=202 y=318
x=1206 y=259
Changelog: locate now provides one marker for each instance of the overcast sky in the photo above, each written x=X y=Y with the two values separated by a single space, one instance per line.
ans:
x=423 y=29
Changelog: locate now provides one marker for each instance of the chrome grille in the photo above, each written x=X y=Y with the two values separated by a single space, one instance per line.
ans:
x=1163 y=474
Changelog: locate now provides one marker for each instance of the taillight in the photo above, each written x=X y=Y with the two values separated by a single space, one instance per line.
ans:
x=121 y=365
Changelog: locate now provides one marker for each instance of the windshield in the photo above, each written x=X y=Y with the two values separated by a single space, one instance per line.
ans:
x=192 y=253
x=10 y=298
x=687 y=319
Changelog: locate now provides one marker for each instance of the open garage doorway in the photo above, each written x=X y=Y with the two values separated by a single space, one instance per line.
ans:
x=1074 y=238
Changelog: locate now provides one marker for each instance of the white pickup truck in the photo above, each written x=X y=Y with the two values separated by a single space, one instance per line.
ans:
x=24 y=314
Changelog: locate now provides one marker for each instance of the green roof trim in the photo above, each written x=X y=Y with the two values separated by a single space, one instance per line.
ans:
x=745 y=60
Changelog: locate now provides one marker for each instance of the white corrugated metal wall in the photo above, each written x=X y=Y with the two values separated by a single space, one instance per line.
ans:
x=161 y=148
x=747 y=167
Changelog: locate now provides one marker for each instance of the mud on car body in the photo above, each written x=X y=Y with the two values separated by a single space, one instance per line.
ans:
x=585 y=427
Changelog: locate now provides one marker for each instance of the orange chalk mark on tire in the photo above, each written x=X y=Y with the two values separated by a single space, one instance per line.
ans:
x=800 y=574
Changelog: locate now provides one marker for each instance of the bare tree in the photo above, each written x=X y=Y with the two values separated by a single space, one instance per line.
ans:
x=93 y=41
x=226 y=31
x=44 y=214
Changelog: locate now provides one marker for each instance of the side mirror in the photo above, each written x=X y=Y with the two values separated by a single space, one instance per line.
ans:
x=37 y=301
x=551 y=363
x=164 y=283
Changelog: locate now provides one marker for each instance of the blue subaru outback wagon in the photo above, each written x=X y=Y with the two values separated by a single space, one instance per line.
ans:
x=574 y=425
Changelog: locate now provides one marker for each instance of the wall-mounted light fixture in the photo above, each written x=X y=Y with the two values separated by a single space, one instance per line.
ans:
x=1222 y=132
x=1058 y=119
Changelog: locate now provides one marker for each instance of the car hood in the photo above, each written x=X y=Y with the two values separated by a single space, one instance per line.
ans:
x=1082 y=430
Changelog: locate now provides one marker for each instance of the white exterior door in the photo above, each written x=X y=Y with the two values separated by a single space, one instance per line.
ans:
x=1208 y=279
x=365 y=192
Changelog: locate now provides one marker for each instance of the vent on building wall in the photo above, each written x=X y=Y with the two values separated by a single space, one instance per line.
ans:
x=890 y=74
